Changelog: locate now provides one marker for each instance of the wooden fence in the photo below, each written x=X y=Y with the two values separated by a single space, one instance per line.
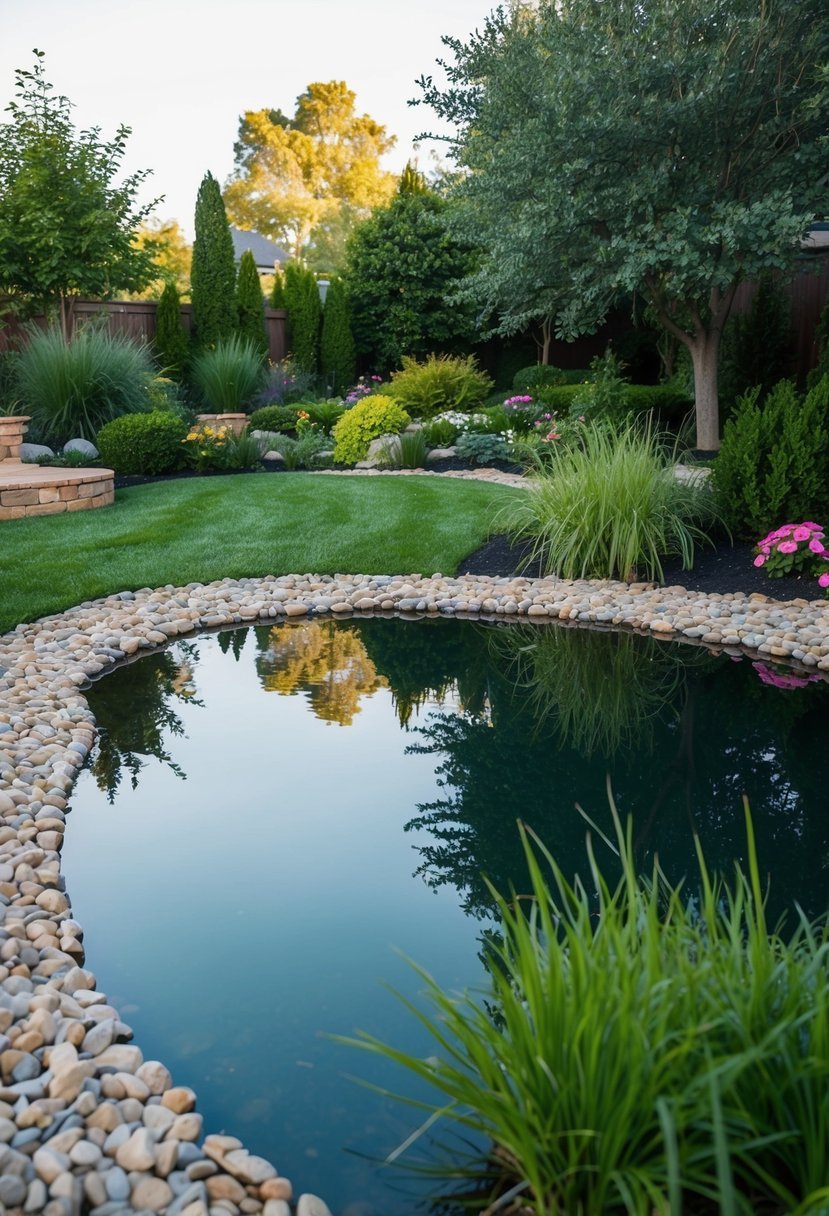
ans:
x=808 y=292
x=136 y=319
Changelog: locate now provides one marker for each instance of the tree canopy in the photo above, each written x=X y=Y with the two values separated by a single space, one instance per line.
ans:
x=171 y=254
x=403 y=269
x=67 y=215
x=306 y=180
x=657 y=147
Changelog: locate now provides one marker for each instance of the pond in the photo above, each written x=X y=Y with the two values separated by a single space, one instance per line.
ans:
x=274 y=817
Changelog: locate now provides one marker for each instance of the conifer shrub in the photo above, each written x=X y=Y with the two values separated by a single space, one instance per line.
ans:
x=171 y=342
x=213 y=274
x=773 y=464
x=250 y=306
x=440 y=382
x=143 y=444
x=338 y=354
x=302 y=304
x=369 y=419
x=277 y=299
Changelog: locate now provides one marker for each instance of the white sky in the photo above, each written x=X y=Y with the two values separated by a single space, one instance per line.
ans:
x=180 y=72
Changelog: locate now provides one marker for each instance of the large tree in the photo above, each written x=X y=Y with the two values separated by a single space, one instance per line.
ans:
x=306 y=180
x=403 y=268
x=171 y=254
x=213 y=272
x=67 y=215
x=669 y=148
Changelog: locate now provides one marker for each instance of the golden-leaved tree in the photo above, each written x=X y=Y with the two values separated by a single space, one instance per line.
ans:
x=306 y=181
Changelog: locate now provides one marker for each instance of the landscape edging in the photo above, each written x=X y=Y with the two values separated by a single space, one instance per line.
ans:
x=69 y=1078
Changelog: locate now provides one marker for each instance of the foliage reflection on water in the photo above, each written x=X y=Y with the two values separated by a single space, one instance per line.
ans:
x=530 y=721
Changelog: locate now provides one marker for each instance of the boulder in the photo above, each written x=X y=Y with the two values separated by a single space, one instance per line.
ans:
x=29 y=452
x=437 y=454
x=86 y=449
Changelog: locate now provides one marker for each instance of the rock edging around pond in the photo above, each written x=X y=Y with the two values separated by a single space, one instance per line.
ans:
x=85 y=1122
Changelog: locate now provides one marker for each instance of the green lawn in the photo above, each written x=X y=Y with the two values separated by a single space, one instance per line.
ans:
x=207 y=528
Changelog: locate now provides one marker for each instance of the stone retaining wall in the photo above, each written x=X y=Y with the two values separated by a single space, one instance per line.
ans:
x=49 y=491
x=86 y=1124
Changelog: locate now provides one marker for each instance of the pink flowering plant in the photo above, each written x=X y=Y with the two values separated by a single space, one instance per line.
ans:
x=781 y=677
x=795 y=549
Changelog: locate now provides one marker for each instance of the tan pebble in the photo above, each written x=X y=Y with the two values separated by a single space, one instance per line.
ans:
x=276 y=1188
x=106 y=1116
x=151 y=1195
x=155 y=1076
x=186 y=1127
x=222 y=1186
x=179 y=1099
x=121 y=1057
x=166 y=1156
x=276 y=1207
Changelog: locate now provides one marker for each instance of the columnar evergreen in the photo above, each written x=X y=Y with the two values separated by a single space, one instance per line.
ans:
x=302 y=303
x=338 y=354
x=213 y=275
x=278 y=290
x=250 y=305
x=171 y=344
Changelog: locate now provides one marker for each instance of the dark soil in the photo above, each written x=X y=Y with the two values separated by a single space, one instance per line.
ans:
x=721 y=569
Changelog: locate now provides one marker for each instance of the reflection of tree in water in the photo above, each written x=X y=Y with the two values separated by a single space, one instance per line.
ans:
x=134 y=712
x=720 y=734
x=426 y=660
x=326 y=660
x=599 y=689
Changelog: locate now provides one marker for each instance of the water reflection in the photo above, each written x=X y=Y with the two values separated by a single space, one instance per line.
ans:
x=531 y=721
x=326 y=661
x=141 y=724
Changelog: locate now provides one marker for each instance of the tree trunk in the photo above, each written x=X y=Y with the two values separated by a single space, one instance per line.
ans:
x=546 y=339
x=705 y=349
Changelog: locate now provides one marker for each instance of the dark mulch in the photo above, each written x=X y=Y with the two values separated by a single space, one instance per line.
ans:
x=722 y=569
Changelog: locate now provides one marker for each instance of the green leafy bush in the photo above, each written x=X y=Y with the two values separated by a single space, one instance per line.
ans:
x=70 y=389
x=535 y=375
x=482 y=448
x=368 y=419
x=441 y=382
x=280 y=418
x=325 y=413
x=640 y=1048
x=229 y=375
x=66 y=460
x=143 y=444
x=610 y=507
x=670 y=401
x=303 y=452
x=440 y=433
x=773 y=464
x=604 y=396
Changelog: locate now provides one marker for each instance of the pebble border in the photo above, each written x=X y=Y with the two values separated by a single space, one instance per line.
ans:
x=86 y=1124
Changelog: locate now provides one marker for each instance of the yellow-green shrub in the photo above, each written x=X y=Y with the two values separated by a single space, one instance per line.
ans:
x=441 y=382
x=369 y=419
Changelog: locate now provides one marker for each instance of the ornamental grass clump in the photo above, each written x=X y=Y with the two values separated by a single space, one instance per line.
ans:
x=610 y=507
x=229 y=375
x=72 y=388
x=641 y=1048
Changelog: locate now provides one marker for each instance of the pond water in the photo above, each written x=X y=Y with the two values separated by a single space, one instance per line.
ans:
x=272 y=817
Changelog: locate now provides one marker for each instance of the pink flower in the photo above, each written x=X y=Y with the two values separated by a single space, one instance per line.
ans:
x=787 y=546
x=760 y=560
x=823 y=581
x=816 y=546
x=802 y=533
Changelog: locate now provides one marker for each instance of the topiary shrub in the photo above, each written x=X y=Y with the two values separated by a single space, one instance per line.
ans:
x=441 y=382
x=143 y=444
x=369 y=419
x=773 y=464
x=280 y=418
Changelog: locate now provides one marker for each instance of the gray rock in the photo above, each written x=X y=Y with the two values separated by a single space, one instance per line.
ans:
x=29 y=452
x=436 y=454
x=12 y=1191
x=117 y=1184
x=83 y=446
x=312 y=1205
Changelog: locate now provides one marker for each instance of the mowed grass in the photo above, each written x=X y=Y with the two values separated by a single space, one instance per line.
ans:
x=215 y=527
